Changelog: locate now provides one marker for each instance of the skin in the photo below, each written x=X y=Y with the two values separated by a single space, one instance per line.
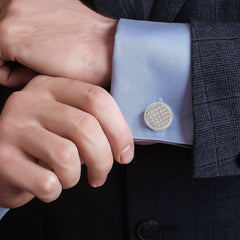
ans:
x=57 y=38
x=48 y=129
x=60 y=120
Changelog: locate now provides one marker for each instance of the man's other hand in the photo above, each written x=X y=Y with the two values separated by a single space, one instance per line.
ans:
x=48 y=129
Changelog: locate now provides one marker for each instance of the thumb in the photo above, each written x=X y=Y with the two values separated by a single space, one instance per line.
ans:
x=13 y=74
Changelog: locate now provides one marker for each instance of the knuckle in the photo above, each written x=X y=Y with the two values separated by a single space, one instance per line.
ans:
x=42 y=86
x=15 y=98
x=15 y=117
x=88 y=124
x=97 y=98
x=69 y=171
x=49 y=189
x=39 y=80
x=17 y=101
x=67 y=153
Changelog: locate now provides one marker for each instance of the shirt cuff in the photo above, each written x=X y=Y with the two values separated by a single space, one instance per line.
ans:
x=152 y=61
x=3 y=211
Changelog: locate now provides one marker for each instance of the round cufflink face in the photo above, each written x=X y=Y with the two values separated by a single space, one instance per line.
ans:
x=158 y=116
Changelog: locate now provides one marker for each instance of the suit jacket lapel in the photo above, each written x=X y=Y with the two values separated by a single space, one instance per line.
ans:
x=115 y=8
x=165 y=10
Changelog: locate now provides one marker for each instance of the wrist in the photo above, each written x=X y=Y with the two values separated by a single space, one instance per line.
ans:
x=110 y=47
x=104 y=53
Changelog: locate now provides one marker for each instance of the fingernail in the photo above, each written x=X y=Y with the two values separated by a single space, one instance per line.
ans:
x=127 y=154
x=98 y=182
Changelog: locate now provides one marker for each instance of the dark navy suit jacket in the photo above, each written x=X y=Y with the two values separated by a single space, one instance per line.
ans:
x=167 y=192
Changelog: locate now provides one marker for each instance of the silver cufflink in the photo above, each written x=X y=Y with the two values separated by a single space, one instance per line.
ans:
x=158 y=116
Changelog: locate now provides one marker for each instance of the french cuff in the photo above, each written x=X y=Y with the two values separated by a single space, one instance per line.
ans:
x=151 y=64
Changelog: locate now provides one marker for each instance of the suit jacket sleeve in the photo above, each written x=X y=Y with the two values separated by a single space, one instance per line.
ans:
x=216 y=98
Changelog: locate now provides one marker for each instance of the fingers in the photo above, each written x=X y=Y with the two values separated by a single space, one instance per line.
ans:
x=84 y=131
x=23 y=173
x=12 y=197
x=13 y=74
x=98 y=102
x=53 y=152
x=55 y=120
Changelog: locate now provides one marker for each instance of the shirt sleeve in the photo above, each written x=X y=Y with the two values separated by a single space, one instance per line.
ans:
x=3 y=211
x=151 y=63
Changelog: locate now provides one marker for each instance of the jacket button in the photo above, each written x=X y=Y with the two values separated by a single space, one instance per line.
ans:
x=148 y=230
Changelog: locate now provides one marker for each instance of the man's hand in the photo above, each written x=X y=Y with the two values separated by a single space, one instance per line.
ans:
x=58 y=38
x=48 y=129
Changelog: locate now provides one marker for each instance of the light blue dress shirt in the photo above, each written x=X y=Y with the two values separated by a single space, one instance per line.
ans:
x=3 y=211
x=152 y=61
